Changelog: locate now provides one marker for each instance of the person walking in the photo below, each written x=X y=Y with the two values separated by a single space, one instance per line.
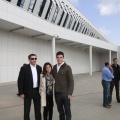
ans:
x=28 y=87
x=64 y=86
x=116 y=79
x=46 y=91
x=107 y=76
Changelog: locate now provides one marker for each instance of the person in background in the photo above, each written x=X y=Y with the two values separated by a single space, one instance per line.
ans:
x=107 y=76
x=28 y=87
x=116 y=79
x=46 y=91
x=64 y=86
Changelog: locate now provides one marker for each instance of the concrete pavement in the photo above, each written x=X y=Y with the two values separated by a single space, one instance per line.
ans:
x=86 y=103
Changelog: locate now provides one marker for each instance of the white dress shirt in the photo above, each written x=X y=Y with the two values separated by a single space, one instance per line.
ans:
x=34 y=74
x=58 y=66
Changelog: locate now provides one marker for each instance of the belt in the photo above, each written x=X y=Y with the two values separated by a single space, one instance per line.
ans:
x=35 y=88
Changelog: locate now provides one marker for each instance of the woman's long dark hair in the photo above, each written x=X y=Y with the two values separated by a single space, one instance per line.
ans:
x=44 y=69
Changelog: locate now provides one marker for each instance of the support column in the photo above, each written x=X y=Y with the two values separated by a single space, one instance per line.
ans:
x=110 y=56
x=90 y=59
x=117 y=55
x=53 y=50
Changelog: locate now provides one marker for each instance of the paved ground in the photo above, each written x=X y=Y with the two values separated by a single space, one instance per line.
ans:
x=86 y=101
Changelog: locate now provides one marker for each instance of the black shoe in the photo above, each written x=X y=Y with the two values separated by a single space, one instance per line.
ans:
x=118 y=101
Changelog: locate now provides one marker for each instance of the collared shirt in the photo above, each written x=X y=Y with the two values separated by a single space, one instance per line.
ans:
x=34 y=74
x=107 y=75
x=58 y=66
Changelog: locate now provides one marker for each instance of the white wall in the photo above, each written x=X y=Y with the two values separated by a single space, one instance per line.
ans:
x=96 y=61
x=104 y=57
x=78 y=58
x=113 y=55
x=15 y=48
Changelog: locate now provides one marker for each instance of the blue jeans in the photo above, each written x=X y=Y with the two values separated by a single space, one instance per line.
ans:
x=63 y=105
x=106 y=92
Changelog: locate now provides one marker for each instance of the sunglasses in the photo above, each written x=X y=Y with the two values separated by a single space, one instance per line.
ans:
x=33 y=59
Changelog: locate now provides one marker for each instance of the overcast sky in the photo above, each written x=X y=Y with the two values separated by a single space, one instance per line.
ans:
x=104 y=14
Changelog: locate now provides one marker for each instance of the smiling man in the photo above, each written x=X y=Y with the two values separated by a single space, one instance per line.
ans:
x=64 y=85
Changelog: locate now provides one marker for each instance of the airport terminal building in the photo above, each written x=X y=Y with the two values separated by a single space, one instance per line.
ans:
x=44 y=27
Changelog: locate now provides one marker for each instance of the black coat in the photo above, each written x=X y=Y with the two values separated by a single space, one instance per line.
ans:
x=116 y=72
x=25 y=80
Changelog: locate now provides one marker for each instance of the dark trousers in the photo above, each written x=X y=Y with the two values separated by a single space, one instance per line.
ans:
x=63 y=105
x=48 y=110
x=37 y=106
x=106 y=92
x=116 y=84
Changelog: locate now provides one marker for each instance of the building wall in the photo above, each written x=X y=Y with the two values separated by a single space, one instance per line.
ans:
x=14 y=49
x=14 y=15
x=103 y=58
x=78 y=58
x=96 y=61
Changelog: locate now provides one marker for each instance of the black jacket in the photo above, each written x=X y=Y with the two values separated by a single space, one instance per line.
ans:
x=116 y=72
x=25 y=80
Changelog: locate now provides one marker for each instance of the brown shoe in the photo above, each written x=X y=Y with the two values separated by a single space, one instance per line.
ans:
x=107 y=106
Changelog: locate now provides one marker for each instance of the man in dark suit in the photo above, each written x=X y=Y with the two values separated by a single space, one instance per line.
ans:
x=116 y=79
x=28 y=87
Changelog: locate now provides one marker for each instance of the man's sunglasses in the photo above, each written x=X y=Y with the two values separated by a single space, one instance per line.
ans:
x=33 y=58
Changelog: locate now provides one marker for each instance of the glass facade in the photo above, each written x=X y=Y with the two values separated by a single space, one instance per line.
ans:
x=20 y=3
x=61 y=18
x=49 y=10
x=42 y=7
x=31 y=5
x=55 y=14
x=64 y=9
x=66 y=19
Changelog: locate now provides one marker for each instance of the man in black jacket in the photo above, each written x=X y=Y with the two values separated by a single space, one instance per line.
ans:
x=64 y=86
x=115 y=80
x=28 y=87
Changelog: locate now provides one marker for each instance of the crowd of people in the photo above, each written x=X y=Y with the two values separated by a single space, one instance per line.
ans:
x=110 y=78
x=41 y=86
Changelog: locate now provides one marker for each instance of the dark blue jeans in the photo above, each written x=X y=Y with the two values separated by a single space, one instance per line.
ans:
x=106 y=92
x=63 y=105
